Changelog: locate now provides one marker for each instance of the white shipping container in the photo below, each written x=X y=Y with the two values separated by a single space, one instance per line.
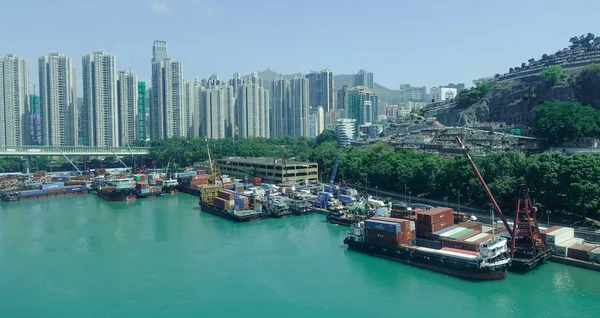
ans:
x=595 y=255
x=559 y=236
x=456 y=230
x=562 y=249
x=478 y=237
x=412 y=225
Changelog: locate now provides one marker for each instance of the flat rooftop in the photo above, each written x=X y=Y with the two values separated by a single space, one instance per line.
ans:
x=265 y=161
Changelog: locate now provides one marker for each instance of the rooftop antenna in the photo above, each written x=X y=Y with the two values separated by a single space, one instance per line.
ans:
x=130 y=63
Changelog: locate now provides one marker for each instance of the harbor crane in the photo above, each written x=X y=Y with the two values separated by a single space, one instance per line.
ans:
x=526 y=247
x=210 y=191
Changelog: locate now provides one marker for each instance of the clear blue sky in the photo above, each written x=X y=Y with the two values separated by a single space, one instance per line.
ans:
x=419 y=42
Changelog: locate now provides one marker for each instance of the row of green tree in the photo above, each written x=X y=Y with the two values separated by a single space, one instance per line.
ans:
x=557 y=182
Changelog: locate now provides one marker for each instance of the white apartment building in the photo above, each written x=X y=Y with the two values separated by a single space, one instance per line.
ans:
x=440 y=94
x=127 y=104
x=100 y=113
x=344 y=131
x=58 y=101
x=252 y=110
x=316 y=121
x=217 y=111
x=14 y=101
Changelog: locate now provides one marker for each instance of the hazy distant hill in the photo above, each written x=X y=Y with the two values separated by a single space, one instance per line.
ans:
x=385 y=94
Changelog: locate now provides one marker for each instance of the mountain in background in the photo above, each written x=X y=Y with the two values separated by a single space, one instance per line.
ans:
x=385 y=94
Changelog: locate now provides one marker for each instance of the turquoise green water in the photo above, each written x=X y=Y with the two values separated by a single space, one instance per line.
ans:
x=85 y=257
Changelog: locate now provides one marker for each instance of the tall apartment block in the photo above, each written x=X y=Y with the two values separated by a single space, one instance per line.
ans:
x=100 y=112
x=127 y=104
x=321 y=89
x=58 y=101
x=364 y=78
x=168 y=116
x=14 y=101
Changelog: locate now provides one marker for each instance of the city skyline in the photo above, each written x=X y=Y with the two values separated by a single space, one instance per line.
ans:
x=421 y=58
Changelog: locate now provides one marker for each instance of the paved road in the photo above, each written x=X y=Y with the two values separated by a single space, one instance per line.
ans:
x=482 y=215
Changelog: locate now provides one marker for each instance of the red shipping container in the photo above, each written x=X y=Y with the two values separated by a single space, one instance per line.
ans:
x=580 y=251
x=435 y=215
x=381 y=237
x=472 y=225
x=226 y=195
x=201 y=171
x=221 y=203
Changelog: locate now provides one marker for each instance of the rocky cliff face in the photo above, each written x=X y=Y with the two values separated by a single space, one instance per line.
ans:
x=510 y=102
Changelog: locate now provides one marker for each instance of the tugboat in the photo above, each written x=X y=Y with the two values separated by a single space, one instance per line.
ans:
x=276 y=207
x=113 y=189
x=169 y=186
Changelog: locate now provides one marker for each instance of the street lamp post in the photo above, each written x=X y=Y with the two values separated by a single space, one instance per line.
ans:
x=548 y=214
x=458 y=201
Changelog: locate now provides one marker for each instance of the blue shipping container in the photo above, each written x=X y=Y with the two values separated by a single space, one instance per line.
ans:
x=31 y=192
x=48 y=186
x=238 y=185
x=60 y=178
x=346 y=198
x=382 y=226
x=381 y=212
x=74 y=188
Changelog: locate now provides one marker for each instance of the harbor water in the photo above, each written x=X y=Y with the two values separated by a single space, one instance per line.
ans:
x=82 y=256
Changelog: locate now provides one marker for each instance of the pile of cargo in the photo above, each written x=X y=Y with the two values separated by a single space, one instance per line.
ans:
x=467 y=242
x=389 y=231
x=200 y=179
x=256 y=180
x=238 y=187
x=143 y=186
x=433 y=220
x=227 y=199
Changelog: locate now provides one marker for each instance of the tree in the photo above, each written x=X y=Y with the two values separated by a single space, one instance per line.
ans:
x=552 y=75
x=545 y=57
x=510 y=70
x=559 y=121
x=523 y=65
x=587 y=84
x=325 y=136
x=531 y=60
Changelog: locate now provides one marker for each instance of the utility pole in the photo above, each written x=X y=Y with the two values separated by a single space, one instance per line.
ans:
x=459 y=201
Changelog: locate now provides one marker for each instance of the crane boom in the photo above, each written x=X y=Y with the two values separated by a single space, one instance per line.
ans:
x=334 y=171
x=484 y=185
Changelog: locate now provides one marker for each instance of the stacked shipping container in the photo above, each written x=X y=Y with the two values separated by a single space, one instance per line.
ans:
x=389 y=231
x=433 y=220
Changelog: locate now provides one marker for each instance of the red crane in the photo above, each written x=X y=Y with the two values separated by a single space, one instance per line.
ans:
x=527 y=248
x=484 y=185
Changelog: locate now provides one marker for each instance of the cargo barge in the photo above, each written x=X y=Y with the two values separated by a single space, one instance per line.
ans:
x=117 y=190
x=377 y=238
x=276 y=207
x=340 y=219
x=231 y=214
x=52 y=192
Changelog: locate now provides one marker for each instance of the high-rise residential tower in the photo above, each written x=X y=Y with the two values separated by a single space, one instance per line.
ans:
x=217 y=111
x=299 y=107
x=364 y=78
x=58 y=102
x=14 y=101
x=280 y=118
x=252 y=108
x=168 y=116
x=100 y=112
x=127 y=104
x=321 y=88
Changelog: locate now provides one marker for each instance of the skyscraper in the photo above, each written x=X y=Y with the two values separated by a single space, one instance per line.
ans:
x=299 y=107
x=127 y=104
x=316 y=122
x=191 y=99
x=168 y=116
x=321 y=90
x=364 y=78
x=362 y=105
x=280 y=113
x=410 y=93
x=141 y=113
x=14 y=101
x=100 y=113
x=58 y=102
x=252 y=109
x=216 y=109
